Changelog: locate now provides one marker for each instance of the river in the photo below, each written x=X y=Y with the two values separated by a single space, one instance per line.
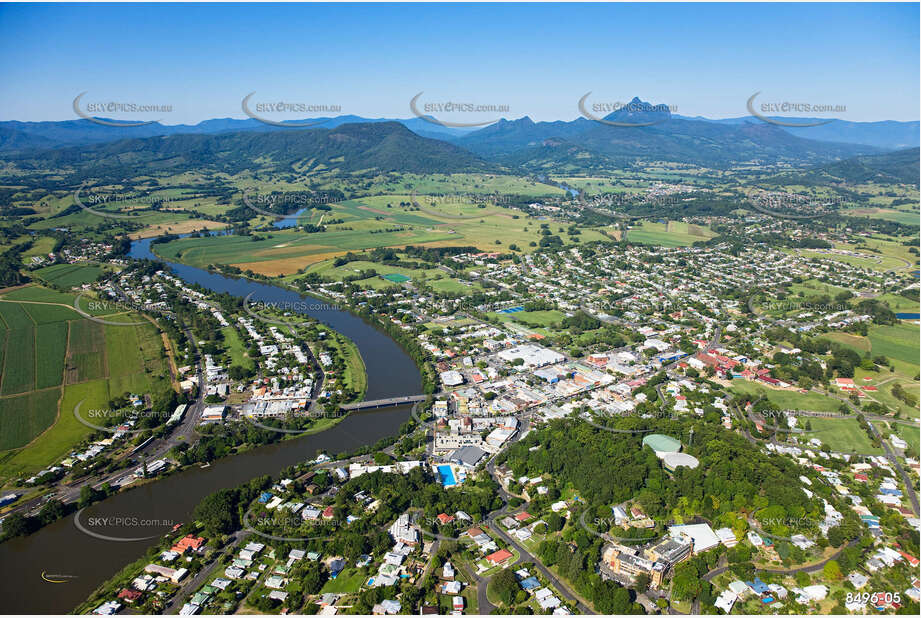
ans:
x=81 y=562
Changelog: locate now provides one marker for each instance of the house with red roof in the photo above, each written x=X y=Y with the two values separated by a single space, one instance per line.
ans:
x=523 y=516
x=444 y=518
x=129 y=595
x=498 y=557
x=188 y=542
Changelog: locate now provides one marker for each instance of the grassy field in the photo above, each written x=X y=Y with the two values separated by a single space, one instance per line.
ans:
x=909 y=434
x=535 y=318
x=349 y=580
x=354 y=376
x=42 y=246
x=49 y=354
x=236 y=348
x=888 y=214
x=787 y=400
x=670 y=234
x=844 y=435
x=899 y=342
x=882 y=254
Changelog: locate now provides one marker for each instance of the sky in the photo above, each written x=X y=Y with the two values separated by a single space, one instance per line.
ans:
x=537 y=59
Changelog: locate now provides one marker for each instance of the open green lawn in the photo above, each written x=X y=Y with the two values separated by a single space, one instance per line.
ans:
x=788 y=400
x=899 y=342
x=41 y=247
x=349 y=580
x=338 y=273
x=670 y=234
x=536 y=318
x=236 y=348
x=908 y=433
x=354 y=375
x=842 y=434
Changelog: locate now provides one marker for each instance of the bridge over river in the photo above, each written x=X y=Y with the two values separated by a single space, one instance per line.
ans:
x=383 y=403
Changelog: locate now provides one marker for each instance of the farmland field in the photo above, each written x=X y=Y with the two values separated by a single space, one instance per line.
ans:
x=367 y=223
x=50 y=348
x=86 y=359
x=44 y=345
x=69 y=275
x=23 y=417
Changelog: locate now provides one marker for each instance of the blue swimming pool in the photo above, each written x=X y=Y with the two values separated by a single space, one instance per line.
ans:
x=512 y=310
x=447 y=476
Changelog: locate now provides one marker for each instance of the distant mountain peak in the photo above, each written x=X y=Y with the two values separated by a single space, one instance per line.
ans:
x=640 y=112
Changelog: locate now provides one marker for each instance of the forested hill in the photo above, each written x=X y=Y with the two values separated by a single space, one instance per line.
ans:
x=384 y=146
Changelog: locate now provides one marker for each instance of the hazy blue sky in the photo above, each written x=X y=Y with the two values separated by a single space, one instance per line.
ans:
x=539 y=59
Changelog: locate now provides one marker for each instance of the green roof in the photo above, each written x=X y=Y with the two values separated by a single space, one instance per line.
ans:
x=662 y=443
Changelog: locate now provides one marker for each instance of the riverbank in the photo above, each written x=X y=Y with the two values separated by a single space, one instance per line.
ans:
x=62 y=548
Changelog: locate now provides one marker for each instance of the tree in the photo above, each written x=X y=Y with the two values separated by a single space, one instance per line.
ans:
x=831 y=570
x=505 y=586
x=685 y=583
x=641 y=582
x=218 y=512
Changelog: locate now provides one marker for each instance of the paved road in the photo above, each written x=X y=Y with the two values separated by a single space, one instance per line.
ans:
x=526 y=556
x=890 y=455
x=191 y=586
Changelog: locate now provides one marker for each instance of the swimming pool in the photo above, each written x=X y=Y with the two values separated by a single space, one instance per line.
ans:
x=512 y=310
x=447 y=476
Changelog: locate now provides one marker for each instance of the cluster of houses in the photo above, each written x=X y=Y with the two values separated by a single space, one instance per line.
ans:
x=157 y=578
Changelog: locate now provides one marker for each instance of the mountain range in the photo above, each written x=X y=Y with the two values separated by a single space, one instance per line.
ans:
x=352 y=143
